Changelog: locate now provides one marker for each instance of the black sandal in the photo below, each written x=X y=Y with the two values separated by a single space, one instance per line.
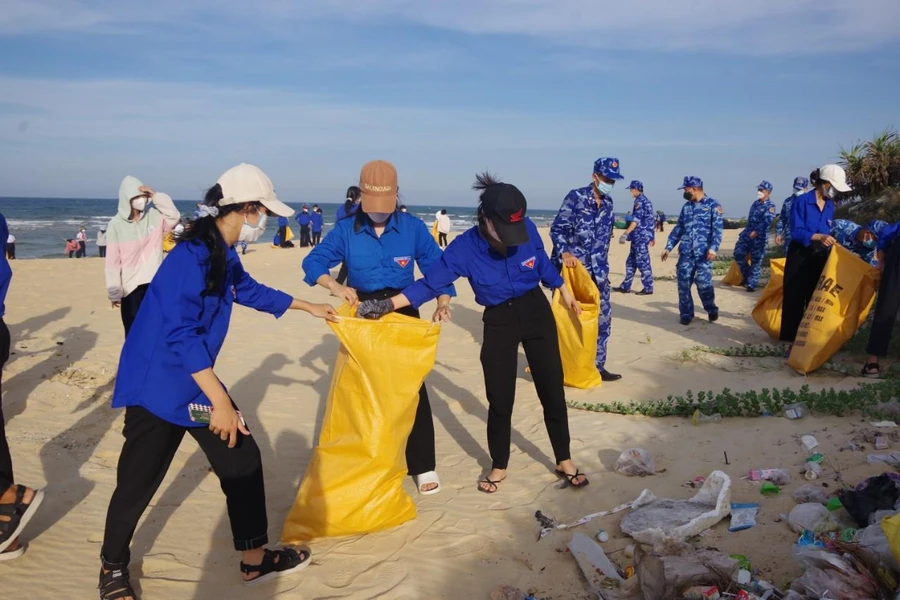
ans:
x=14 y=517
x=289 y=561
x=116 y=582
x=572 y=478
x=871 y=370
x=493 y=485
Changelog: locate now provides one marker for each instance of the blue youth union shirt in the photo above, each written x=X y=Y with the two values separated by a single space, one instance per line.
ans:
x=494 y=278
x=178 y=331
x=373 y=263
x=807 y=219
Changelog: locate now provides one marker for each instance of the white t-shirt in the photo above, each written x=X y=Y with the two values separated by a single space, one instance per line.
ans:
x=11 y=239
x=81 y=237
x=443 y=223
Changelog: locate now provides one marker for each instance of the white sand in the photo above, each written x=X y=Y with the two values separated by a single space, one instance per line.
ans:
x=65 y=438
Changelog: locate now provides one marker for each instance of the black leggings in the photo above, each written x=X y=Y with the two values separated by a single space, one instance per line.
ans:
x=887 y=304
x=6 y=467
x=130 y=305
x=525 y=320
x=150 y=445
x=82 y=250
x=420 y=455
x=802 y=269
x=316 y=238
x=442 y=239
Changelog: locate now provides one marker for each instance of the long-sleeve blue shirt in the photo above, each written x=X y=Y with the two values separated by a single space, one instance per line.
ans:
x=845 y=233
x=699 y=229
x=888 y=234
x=316 y=222
x=303 y=219
x=5 y=269
x=494 y=278
x=343 y=213
x=178 y=332
x=807 y=220
x=376 y=263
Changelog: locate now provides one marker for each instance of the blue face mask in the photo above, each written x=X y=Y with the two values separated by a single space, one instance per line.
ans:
x=870 y=243
x=603 y=187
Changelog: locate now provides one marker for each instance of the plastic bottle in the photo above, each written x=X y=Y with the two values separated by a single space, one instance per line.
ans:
x=776 y=476
x=698 y=418
x=798 y=410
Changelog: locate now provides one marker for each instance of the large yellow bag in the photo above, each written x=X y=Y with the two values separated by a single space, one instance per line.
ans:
x=733 y=276
x=842 y=300
x=434 y=232
x=354 y=482
x=168 y=242
x=578 y=334
x=767 y=312
x=891 y=528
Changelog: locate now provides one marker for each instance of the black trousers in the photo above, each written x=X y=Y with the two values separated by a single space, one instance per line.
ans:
x=150 y=445
x=6 y=467
x=82 y=250
x=525 y=320
x=304 y=236
x=316 y=238
x=11 y=251
x=102 y=251
x=802 y=269
x=887 y=304
x=130 y=305
x=420 y=455
x=342 y=274
x=442 y=239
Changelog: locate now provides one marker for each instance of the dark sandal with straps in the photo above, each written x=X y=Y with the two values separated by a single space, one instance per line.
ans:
x=871 y=370
x=493 y=485
x=14 y=517
x=572 y=478
x=289 y=561
x=115 y=583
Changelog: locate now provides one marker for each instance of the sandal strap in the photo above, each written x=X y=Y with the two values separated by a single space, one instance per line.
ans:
x=116 y=583
x=288 y=559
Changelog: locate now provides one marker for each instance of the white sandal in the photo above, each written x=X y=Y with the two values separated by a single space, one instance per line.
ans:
x=424 y=479
x=13 y=554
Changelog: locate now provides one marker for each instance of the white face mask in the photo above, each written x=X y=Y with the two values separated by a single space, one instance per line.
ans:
x=251 y=233
x=798 y=192
x=139 y=203
x=831 y=192
x=379 y=218
x=760 y=195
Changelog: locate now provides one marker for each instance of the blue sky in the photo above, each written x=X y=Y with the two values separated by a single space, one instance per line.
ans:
x=176 y=91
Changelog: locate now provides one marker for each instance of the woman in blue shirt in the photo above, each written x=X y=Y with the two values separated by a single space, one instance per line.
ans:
x=503 y=258
x=167 y=383
x=380 y=247
x=811 y=219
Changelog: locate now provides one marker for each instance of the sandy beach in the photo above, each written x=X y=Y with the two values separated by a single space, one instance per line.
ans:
x=65 y=438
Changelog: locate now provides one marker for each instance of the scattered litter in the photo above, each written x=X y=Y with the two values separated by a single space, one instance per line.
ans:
x=635 y=462
x=881 y=443
x=549 y=524
x=809 y=442
x=873 y=538
x=743 y=516
x=852 y=447
x=702 y=592
x=813 y=470
x=593 y=562
x=884 y=424
x=743 y=561
x=698 y=418
x=629 y=551
x=602 y=536
x=744 y=577
x=810 y=493
x=881 y=492
x=892 y=459
x=834 y=504
x=769 y=489
x=659 y=520
x=776 y=476
x=812 y=517
x=695 y=483
x=798 y=410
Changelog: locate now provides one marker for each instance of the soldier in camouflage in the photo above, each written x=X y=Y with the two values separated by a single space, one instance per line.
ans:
x=862 y=241
x=642 y=234
x=754 y=239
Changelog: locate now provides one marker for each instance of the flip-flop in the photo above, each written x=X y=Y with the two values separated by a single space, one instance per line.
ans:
x=424 y=479
x=572 y=478
x=12 y=554
x=19 y=514
x=868 y=372
x=491 y=483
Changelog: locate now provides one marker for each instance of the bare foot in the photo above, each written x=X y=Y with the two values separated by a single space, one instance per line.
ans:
x=489 y=484
x=568 y=467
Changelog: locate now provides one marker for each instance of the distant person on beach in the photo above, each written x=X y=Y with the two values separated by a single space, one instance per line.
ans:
x=661 y=221
x=443 y=226
x=812 y=216
x=11 y=247
x=381 y=247
x=754 y=238
x=81 y=238
x=282 y=240
x=71 y=247
x=348 y=209
x=101 y=242
x=503 y=258
x=316 y=224
x=135 y=244
x=167 y=383
x=698 y=235
x=641 y=233
x=581 y=232
x=783 y=225
x=304 y=219
x=18 y=503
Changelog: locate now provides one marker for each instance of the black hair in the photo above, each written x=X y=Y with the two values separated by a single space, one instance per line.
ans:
x=483 y=181
x=443 y=211
x=204 y=229
x=815 y=178
x=353 y=196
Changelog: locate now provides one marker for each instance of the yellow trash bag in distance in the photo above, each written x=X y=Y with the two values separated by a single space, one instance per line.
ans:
x=168 y=242
x=434 y=231
x=354 y=481
x=767 y=312
x=578 y=334
x=840 y=303
x=733 y=276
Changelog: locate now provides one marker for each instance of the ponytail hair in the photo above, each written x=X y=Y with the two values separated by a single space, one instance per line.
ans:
x=353 y=196
x=483 y=181
x=815 y=179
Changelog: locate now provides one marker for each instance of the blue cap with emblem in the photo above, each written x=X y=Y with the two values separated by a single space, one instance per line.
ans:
x=765 y=185
x=691 y=181
x=636 y=185
x=801 y=183
x=876 y=226
x=608 y=167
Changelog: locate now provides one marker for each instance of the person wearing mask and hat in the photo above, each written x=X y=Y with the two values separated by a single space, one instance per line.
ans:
x=862 y=241
x=581 y=232
x=642 y=233
x=381 y=247
x=81 y=238
x=316 y=223
x=754 y=238
x=812 y=217
x=503 y=258
x=783 y=225
x=168 y=385
x=303 y=220
x=699 y=233
x=135 y=244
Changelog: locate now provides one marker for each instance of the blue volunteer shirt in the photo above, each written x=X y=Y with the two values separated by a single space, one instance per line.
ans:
x=5 y=270
x=316 y=221
x=343 y=213
x=373 y=263
x=178 y=331
x=494 y=278
x=807 y=219
x=888 y=234
x=303 y=219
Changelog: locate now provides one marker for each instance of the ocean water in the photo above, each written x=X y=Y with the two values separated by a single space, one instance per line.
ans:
x=41 y=225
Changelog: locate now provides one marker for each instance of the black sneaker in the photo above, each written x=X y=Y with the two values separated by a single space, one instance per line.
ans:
x=644 y=293
x=713 y=317
x=685 y=321
x=751 y=289
x=621 y=290
x=607 y=376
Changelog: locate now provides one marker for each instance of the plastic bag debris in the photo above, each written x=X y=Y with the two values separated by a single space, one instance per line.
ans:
x=810 y=494
x=881 y=492
x=743 y=516
x=812 y=517
x=873 y=538
x=635 y=462
x=660 y=520
x=809 y=442
x=593 y=562
x=884 y=424
x=776 y=476
x=891 y=460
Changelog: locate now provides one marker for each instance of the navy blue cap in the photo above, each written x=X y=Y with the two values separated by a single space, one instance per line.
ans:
x=691 y=181
x=801 y=183
x=608 y=167
x=636 y=185
x=765 y=185
x=876 y=226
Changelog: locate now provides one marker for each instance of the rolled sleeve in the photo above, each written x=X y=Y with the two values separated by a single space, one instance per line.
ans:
x=327 y=254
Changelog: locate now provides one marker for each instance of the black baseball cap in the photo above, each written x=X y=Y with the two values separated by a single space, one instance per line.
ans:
x=505 y=206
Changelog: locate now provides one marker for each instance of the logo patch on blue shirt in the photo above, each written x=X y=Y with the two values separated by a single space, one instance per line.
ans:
x=529 y=264
x=402 y=261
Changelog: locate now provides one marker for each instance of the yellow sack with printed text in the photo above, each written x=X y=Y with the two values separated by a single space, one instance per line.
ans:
x=578 y=334
x=733 y=276
x=767 y=312
x=354 y=481
x=840 y=303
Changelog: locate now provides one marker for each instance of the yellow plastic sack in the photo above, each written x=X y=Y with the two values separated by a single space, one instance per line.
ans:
x=354 y=482
x=288 y=234
x=891 y=528
x=168 y=242
x=767 y=312
x=434 y=231
x=842 y=300
x=733 y=276
x=578 y=334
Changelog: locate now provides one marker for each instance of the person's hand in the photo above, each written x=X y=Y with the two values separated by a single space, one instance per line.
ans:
x=570 y=301
x=225 y=422
x=752 y=235
x=144 y=189
x=347 y=294
x=324 y=311
x=778 y=240
x=116 y=304
x=825 y=239
x=443 y=314
x=374 y=309
x=652 y=243
x=711 y=255
x=665 y=255
x=569 y=260
x=623 y=238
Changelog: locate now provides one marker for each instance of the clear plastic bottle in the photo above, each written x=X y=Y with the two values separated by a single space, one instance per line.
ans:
x=698 y=418
x=798 y=410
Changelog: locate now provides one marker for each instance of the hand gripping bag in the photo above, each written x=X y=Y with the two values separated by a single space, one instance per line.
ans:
x=578 y=334
x=767 y=312
x=354 y=481
x=841 y=301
